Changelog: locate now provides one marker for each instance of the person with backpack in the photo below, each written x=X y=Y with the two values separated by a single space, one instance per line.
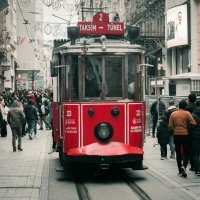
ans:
x=163 y=135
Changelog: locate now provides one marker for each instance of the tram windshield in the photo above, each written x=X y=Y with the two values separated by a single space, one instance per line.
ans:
x=105 y=77
x=112 y=76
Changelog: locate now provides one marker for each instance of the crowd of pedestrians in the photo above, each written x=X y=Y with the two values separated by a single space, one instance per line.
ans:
x=180 y=128
x=23 y=110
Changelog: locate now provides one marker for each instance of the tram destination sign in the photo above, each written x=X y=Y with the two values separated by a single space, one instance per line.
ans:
x=101 y=25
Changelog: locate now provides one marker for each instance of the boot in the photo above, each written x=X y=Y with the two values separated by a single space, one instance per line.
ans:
x=14 y=149
x=19 y=148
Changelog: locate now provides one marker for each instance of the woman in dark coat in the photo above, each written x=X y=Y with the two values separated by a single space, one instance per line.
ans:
x=195 y=136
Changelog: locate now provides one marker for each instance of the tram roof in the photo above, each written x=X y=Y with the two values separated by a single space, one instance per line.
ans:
x=94 y=45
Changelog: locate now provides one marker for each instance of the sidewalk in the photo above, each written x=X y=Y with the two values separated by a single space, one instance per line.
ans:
x=21 y=173
x=167 y=170
x=24 y=175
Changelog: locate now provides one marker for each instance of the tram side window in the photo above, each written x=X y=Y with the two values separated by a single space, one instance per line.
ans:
x=113 y=76
x=93 y=77
x=132 y=67
x=75 y=79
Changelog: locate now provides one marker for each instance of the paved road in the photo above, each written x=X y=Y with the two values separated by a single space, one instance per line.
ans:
x=24 y=175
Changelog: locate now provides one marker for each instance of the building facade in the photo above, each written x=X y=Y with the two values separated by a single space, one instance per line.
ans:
x=182 y=50
x=8 y=54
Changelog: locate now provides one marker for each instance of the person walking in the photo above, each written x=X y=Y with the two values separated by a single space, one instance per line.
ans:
x=163 y=135
x=15 y=119
x=31 y=118
x=178 y=123
x=157 y=109
x=4 y=110
x=195 y=139
x=170 y=109
x=43 y=110
x=191 y=107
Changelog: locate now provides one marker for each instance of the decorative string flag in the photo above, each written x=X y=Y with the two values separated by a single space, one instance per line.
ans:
x=22 y=40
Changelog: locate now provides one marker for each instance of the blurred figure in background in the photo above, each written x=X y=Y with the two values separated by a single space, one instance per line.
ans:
x=15 y=119
x=195 y=139
x=157 y=109
x=163 y=135
x=170 y=109
x=4 y=111
x=31 y=118
x=191 y=108
x=178 y=123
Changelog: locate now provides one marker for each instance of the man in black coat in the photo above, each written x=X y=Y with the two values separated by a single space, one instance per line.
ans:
x=157 y=109
x=195 y=139
x=31 y=117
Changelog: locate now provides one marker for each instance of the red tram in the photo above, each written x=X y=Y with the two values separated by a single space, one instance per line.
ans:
x=99 y=108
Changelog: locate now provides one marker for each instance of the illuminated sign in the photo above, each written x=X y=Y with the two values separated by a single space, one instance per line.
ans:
x=101 y=25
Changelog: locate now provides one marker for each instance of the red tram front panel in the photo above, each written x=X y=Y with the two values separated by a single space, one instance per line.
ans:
x=78 y=125
x=136 y=124
x=71 y=126
x=102 y=113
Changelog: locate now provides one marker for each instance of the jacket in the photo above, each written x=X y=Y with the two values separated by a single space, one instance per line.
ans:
x=179 y=122
x=163 y=132
x=155 y=111
x=30 y=112
x=195 y=133
x=15 y=116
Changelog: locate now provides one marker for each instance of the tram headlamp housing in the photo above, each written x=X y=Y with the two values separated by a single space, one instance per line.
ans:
x=103 y=131
x=115 y=112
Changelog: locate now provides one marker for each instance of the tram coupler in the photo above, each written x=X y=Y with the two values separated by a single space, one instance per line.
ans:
x=104 y=166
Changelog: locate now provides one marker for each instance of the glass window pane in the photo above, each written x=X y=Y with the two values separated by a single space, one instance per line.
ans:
x=93 y=76
x=132 y=67
x=113 y=76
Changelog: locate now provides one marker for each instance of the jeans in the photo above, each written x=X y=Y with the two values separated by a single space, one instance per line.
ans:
x=44 y=118
x=31 y=126
x=16 y=132
x=181 y=141
x=155 y=120
x=163 y=150
x=196 y=160
x=171 y=144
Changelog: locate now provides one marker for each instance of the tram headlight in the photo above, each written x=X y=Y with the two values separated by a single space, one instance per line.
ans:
x=103 y=131
x=115 y=112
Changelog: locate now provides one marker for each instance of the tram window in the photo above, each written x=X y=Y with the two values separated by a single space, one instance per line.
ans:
x=132 y=67
x=75 y=77
x=113 y=76
x=93 y=76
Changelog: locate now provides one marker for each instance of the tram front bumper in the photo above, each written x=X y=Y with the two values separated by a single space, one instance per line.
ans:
x=106 y=153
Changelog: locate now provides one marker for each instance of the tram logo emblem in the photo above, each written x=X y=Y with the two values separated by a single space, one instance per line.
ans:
x=134 y=121
x=138 y=113
x=69 y=113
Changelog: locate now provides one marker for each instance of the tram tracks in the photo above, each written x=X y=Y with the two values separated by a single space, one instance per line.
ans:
x=83 y=190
